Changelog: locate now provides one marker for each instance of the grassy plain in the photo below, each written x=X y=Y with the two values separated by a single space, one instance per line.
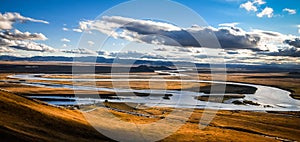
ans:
x=24 y=119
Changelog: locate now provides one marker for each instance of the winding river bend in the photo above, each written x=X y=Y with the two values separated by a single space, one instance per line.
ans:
x=268 y=98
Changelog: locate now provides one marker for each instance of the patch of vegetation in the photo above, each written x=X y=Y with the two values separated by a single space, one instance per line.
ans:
x=229 y=88
x=219 y=98
x=245 y=102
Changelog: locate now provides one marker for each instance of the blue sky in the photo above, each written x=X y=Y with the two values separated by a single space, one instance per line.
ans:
x=57 y=13
x=60 y=12
x=226 y=11
x=68 y=14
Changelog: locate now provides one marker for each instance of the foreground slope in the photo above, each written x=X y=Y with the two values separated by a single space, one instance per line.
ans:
x=23 y=119
x=26 y=120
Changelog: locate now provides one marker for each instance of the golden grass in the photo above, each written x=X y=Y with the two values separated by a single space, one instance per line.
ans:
x=25 y=89
x=226 y=126
x=27 y=120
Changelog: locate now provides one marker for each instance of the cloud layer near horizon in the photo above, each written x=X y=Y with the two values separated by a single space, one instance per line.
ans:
x=229 y=35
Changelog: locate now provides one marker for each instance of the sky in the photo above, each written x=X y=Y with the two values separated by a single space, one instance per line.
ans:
x=248 y=31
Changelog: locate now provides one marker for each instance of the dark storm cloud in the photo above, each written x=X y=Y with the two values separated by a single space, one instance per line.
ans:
x=167 y=34
x=295 y=42
x=291 y=52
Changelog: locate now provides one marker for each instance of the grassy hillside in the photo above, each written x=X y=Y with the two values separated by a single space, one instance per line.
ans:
x=26 y=120
x=23 y=119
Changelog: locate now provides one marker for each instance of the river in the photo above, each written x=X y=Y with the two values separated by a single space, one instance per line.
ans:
x=268 y=98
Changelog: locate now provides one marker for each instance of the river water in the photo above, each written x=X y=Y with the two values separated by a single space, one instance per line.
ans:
x=268 y=98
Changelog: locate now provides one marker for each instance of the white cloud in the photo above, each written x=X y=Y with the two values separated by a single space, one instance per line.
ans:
x=298 y=29
x=269 y=40
x=31 y=46
x=134 y=55
x=234 y=24
x=7 y=20
x=230 y=36
x=83 y=25
x=104 y=53
x=65 y=40
x=64 y=45
x=4 y=49
x=259 y=2
x=18 y=35
x=25 y=45
x=255 y=5
x=107 y=23
x=80 y=51
x=266 y=12
x=161 y=49
x=15 y=39
x=290 y=11
x=91 y=43
x=167 y=34
x=5 y=25
x=77 y=30
x=156 y=25
x=65 y=29
x=249 y=6
x=232 y=0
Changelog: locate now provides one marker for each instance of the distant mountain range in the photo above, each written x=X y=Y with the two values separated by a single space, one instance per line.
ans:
x=202 y=67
